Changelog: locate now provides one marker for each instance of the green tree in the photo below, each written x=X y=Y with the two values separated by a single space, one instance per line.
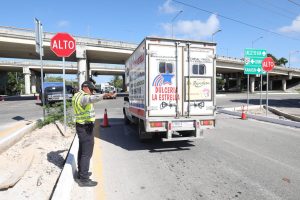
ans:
x=15 y=83
x=117 y=82
x=282 y=61
x=54 y=79
x=273 y=57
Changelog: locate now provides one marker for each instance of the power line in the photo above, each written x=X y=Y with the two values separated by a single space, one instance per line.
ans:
x=294 y=2
x=279 y=8
x=272 y=10
x=235 y=20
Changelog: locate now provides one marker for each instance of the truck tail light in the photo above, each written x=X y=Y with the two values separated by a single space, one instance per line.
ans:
x=207 y=122
x=170 y=126
x=196 y=124
x=156 y=124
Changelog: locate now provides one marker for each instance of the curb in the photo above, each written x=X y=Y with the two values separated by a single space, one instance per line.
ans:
x=288 y=116
x=65 y=182
x=261 y=118
x=13 y=138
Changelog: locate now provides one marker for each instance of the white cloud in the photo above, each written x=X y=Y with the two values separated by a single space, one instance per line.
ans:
x=193 y=29
x=167 y=8
x=293 y=28
x=63 y=23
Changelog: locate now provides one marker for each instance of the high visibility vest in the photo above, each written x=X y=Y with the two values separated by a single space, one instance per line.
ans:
x=82 y=114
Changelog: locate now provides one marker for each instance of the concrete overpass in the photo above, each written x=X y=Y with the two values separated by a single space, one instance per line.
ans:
x=20 y=43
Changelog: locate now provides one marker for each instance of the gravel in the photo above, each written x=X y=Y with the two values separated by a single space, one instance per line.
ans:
x=49 y=148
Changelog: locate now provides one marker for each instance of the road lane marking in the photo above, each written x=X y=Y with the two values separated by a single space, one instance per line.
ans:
x=97 y=164
x=262 y=156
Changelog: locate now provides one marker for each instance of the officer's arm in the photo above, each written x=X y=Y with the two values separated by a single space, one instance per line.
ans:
x=86 y=99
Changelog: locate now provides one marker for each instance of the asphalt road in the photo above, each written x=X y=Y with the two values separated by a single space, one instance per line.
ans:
x=239 y=159
x=27 y=108
x=289 y=103
x=19 y=110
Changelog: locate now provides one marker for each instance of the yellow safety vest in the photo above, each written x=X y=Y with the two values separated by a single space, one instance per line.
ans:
x=82 y=114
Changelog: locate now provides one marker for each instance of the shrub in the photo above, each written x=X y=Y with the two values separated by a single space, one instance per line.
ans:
x=55 y=112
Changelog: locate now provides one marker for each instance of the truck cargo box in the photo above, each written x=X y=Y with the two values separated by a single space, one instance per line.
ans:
x=172 y=88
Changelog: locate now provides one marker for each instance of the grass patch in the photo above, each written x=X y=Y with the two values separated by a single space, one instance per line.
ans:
x=55 y=112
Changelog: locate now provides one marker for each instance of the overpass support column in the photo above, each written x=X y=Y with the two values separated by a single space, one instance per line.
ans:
x=26 y=72
x=284 y=85
x=124 y=84
x=252 y=84
x=34 y=82
x=82 y=71
x=270 y=85
x=238 y=82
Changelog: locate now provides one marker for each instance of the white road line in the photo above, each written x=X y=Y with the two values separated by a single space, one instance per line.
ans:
x=262 y=156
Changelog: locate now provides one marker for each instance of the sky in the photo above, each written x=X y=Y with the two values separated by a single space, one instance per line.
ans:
x=273 y=25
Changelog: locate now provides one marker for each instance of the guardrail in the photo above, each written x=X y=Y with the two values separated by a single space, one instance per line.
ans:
x=30 y=34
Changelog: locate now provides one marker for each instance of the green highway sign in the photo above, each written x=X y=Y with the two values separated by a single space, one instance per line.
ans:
x=253 y=60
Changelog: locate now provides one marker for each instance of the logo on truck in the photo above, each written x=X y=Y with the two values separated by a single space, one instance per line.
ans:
x=165 y=75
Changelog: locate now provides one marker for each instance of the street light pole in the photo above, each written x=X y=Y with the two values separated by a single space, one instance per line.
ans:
x=174 y=19
x=290 y=53
x=256 y=40
x=212 y=35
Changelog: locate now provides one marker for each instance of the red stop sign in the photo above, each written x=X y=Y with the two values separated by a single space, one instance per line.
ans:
x=63 y=44
x=268 y=64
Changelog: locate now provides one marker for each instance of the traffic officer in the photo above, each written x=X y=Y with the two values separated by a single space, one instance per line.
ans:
x=82 y=103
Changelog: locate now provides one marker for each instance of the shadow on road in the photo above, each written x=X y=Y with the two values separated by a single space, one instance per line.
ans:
x=18 y=98
x=126 y=137
x=288 y=103
x=55 y=158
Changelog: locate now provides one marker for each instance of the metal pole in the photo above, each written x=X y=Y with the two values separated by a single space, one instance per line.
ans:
x=267 y=90
x=42 y=80
x=177 y=74
x=189 y=76
x=248 y=92
x=261 y=81
x=64 y=91
x=289 y=59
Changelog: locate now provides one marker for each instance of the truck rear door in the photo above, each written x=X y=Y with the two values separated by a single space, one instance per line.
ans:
x=198 y=75
x=164 y=88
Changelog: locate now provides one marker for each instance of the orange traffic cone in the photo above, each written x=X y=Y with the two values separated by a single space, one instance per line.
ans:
x=105 y=120
x=244 y=116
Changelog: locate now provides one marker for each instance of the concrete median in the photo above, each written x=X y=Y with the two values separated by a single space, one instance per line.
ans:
x=236 y=112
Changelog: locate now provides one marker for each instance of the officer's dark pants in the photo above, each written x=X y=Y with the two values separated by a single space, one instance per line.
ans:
x=86 y=146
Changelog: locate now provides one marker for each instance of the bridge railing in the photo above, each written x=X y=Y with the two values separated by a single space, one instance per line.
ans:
x=30 y=34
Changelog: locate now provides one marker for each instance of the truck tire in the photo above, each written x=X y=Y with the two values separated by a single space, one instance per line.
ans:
x=143 y=135
x=126 y=120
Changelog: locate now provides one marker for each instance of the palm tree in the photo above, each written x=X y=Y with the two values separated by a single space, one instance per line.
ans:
x=282 y=61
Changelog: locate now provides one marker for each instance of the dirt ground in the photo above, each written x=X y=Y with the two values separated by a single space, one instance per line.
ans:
x=46 y=150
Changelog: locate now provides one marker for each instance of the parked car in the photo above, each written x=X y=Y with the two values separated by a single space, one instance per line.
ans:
x=110 y=95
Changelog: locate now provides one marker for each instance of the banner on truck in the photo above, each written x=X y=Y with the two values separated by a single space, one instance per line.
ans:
x=200 y=89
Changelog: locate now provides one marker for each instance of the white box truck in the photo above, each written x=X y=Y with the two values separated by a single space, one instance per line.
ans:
x=172 y=88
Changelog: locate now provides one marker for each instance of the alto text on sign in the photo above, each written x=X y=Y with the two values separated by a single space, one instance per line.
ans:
x=63 y=44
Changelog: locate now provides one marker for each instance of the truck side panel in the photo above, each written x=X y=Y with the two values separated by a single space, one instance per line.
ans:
x=135 y=79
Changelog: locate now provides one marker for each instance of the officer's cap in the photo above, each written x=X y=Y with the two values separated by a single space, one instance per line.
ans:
x=88 y=84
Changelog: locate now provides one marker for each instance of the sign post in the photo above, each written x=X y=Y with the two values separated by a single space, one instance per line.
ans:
x=253 y=59
x=40 y=51
x=267 y=65
x=63 y=45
